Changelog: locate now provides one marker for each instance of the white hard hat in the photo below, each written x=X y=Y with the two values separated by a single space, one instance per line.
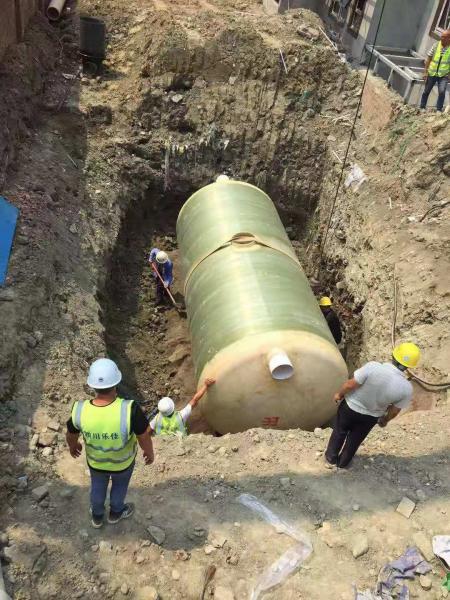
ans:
x=166 y=406
x=103 y=373
x=161 y=257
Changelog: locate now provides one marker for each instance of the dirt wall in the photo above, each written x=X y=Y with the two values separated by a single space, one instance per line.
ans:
x=15 y=15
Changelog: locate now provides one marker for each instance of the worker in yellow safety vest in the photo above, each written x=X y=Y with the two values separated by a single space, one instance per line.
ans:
x=169 y=421
x=437 y=69
x=111 y=428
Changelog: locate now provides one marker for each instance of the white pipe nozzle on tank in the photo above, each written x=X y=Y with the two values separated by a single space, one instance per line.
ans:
x=222 y=179
x=280 y=365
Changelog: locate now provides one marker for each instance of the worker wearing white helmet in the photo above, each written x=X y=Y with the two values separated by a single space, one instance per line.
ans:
x=169 y=421
x=111 y=428
x=163 y=264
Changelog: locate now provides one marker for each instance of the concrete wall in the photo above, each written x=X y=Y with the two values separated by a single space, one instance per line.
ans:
x=400 y=24
x=424 y=41
x=14 y=17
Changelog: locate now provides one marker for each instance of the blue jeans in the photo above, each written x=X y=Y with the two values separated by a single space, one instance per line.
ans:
x=119 y=488
x=429 y=85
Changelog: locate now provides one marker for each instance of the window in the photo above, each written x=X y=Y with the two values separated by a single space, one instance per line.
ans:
x=442 y=18
x=337 y=9
x=356 y=15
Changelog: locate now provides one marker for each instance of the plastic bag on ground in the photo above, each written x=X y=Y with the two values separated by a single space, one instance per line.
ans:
x=356 y=176
x=290 y=560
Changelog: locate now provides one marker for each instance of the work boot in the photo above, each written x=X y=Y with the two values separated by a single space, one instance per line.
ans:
x=115 y=517
x=96 y=521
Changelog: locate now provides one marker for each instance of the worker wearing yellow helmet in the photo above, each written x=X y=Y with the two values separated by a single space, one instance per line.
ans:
x=331 y=318
x=375 y=394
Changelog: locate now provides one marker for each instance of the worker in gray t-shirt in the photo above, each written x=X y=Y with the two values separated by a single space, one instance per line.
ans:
x=376 y=394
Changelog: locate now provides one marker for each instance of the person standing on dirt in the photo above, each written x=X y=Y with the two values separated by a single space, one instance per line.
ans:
x=437 y=70
x=111 y=428
x=162 y=263
x=376 y=394
x=169 y=421
x=331 y=318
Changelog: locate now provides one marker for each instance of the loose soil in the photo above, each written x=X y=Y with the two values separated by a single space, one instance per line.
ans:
x=99 y=167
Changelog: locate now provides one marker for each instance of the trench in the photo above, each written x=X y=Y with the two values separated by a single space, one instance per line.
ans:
x=151 y=343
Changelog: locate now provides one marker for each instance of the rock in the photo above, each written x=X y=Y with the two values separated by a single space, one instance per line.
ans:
x=175 y=575
x=310 y=33
x=40 y=492
x=66 y=493
x=360 y=546
x=425 y=582
x=222 y=451
x=73 y=228
x=94 y=548
x=53 y=425
x=232 y=559
x=209 y=549
x=421 y=495
x=46 y=452
x=235 y=448
x=148 y=592
x=212 y=449
x=105 y=546
x=223 y=593
x=285 y=481
x=104 y=577
x=219 y=541
x=7 y=295
x=4 y=539
x=34 y=441
x=100 y=113
x=157 y=534
x=140 y=559
x=256 y=439
x=406 y=507
x=423 y=543
x=177 y=98
x=356 y=507
x=178 y=355
x=47 y=439
x=232 y=80
x=124 y=589
x=318 y=432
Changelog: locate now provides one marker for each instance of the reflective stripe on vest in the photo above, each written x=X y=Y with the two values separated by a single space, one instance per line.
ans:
x=440 y=64
x=170 y=425
x=110 y=444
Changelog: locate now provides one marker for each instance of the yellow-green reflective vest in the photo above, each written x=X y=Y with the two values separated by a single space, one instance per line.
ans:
x=110 y=444
x=170 y=425
x=440 y=64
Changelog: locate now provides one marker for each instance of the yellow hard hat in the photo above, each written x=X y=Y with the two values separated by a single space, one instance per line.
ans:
x=407 y=354
x=325 y=301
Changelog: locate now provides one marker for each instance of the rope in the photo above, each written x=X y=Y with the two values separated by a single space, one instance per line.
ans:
x=441 y=386
x=344 y=163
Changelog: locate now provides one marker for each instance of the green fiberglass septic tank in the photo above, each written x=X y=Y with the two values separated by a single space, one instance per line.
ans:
x=255 y=324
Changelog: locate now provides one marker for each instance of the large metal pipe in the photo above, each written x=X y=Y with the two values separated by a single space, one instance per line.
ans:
x=255 y=324
x=55 y=9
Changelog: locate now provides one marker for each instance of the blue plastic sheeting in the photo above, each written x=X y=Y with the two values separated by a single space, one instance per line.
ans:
x=8 y=221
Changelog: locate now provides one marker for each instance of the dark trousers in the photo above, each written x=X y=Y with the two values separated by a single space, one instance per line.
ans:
x=429 y=85
x=350 y=430
x=119 y=488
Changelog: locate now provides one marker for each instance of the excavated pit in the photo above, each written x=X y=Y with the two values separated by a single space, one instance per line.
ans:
x=220 y=103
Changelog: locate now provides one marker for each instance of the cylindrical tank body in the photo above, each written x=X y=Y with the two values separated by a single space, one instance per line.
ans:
x=255 y=324
x=92 y=37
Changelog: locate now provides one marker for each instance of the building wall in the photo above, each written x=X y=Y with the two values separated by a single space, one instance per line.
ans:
x=14 y=18
x=424 y=40
x=400 y=24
